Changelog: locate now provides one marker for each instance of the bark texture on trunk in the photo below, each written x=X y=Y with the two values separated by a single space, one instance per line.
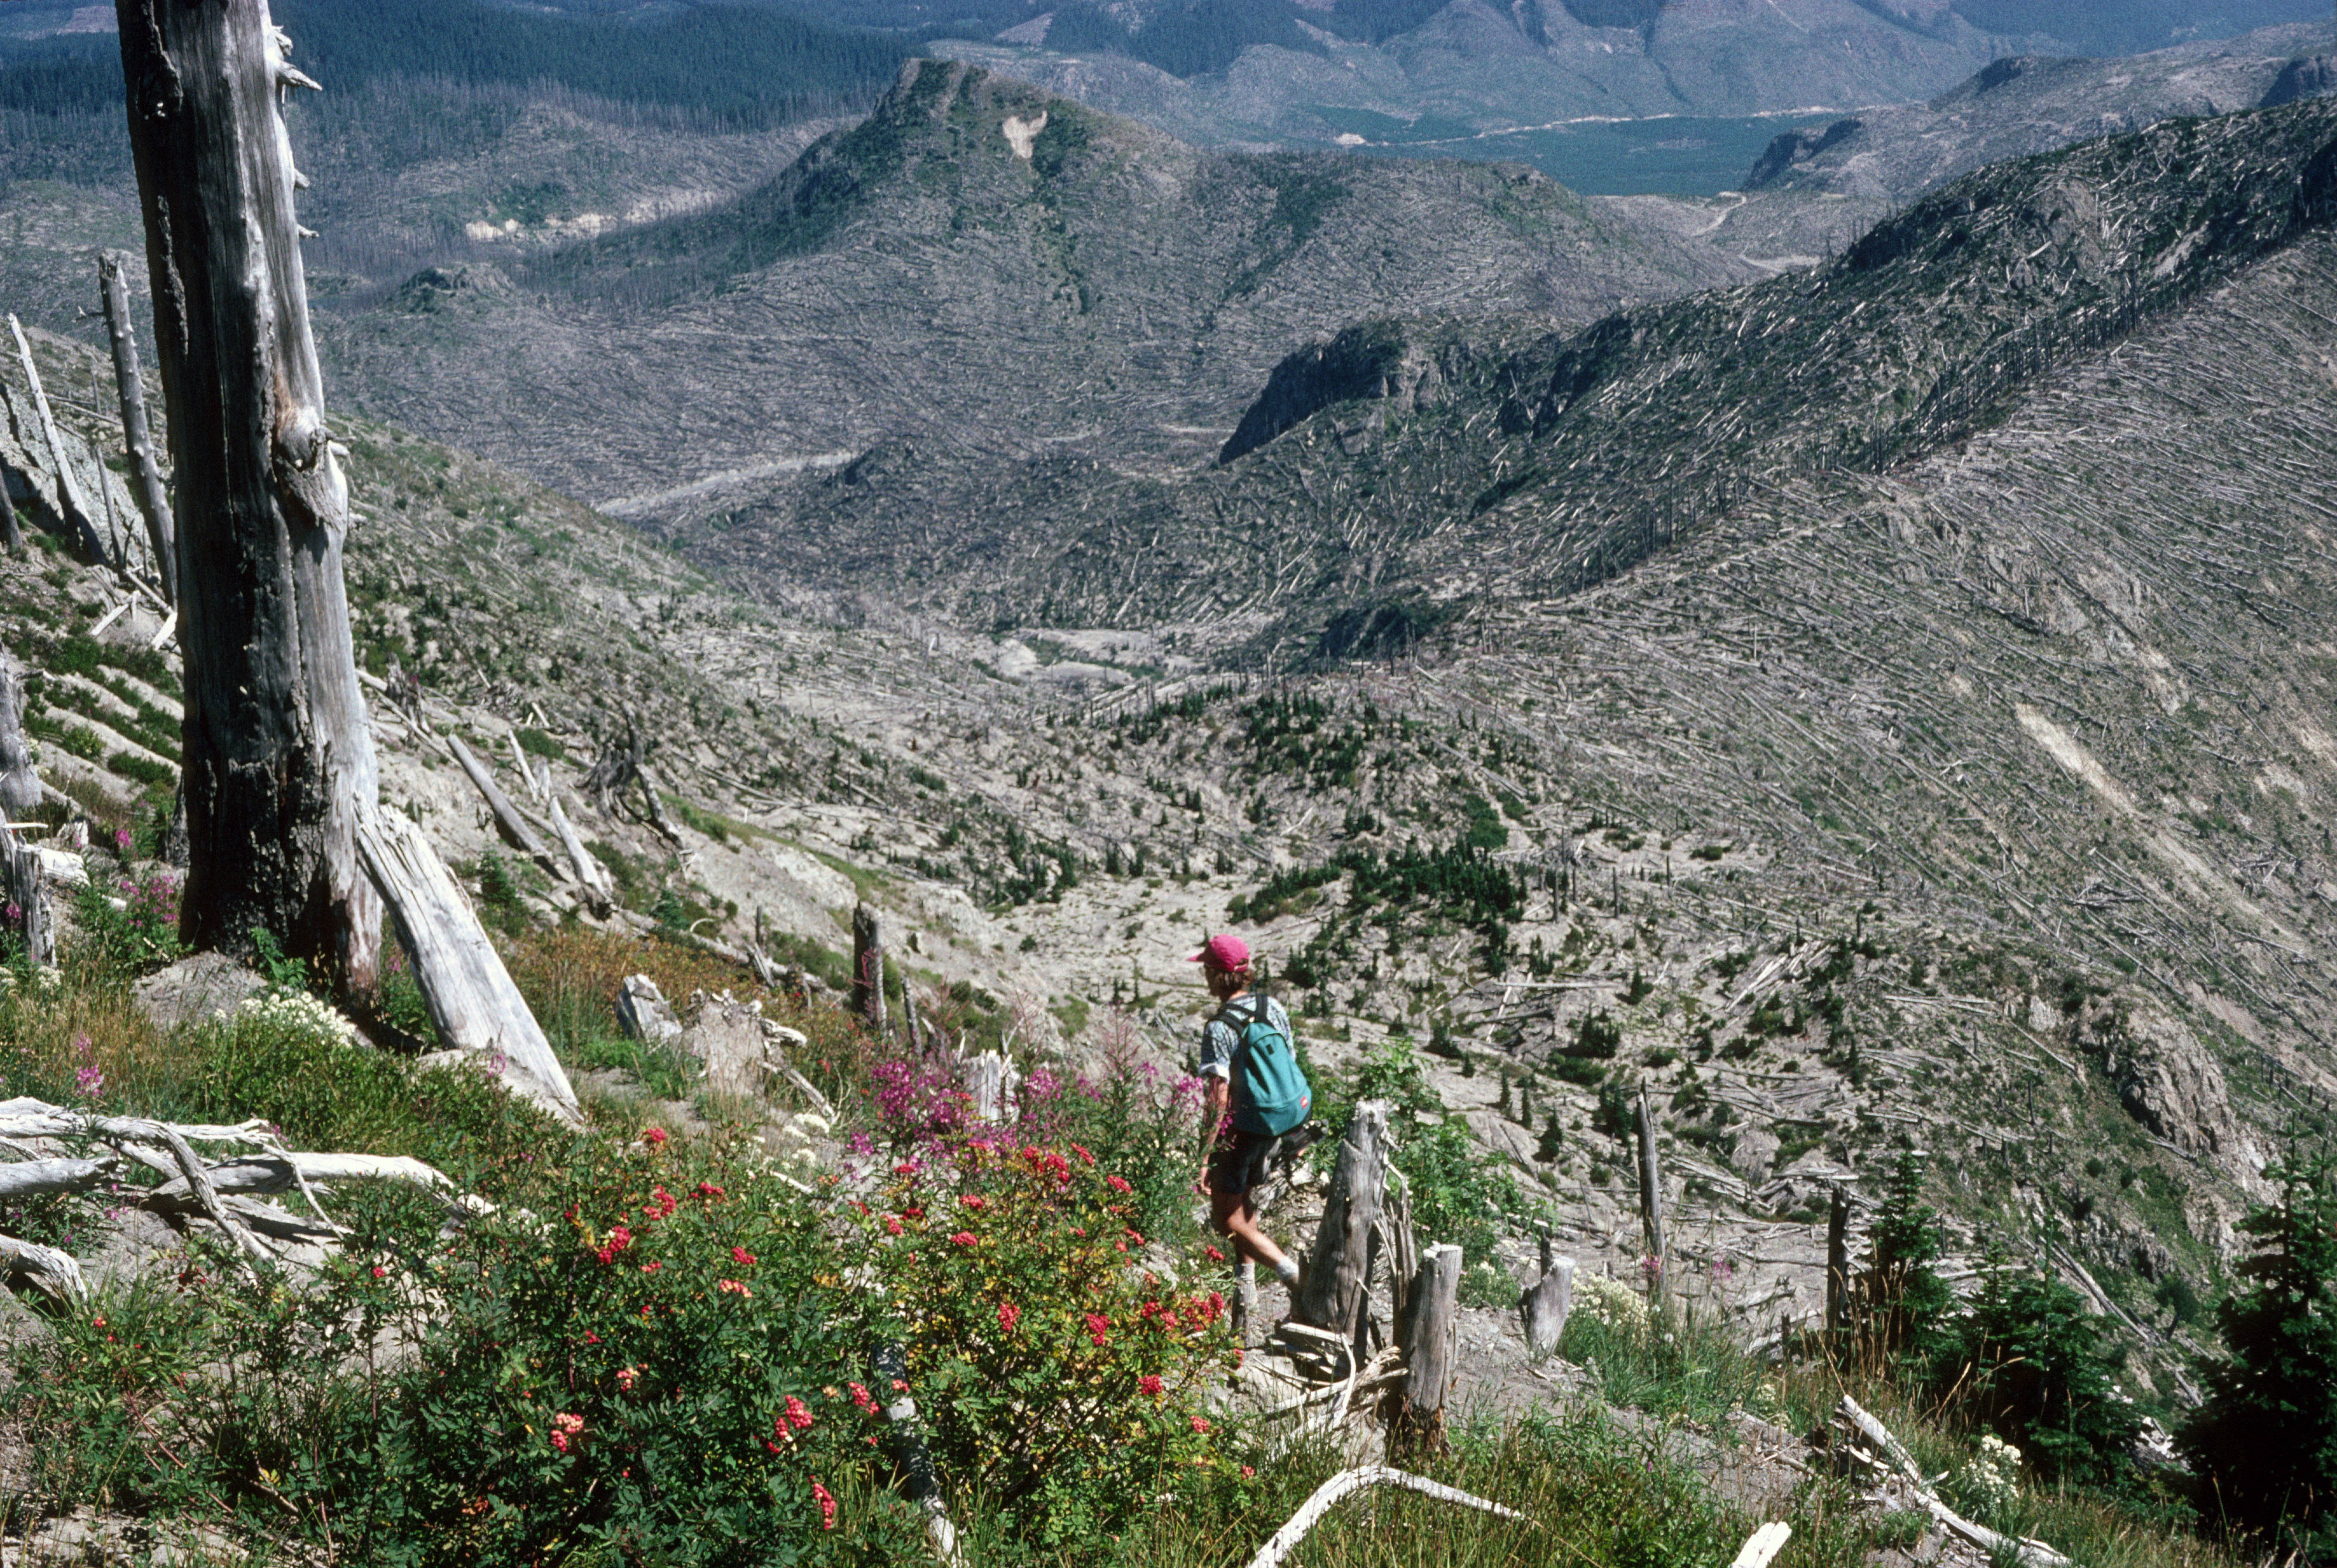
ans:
x=20 y=785
x=1337 y=1271
x=279 y=767
x=145 y=473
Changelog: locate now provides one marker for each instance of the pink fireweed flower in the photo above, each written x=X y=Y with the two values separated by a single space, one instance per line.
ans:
x=827 y=1505
x=1651 y=1265
x=89 y=1082
x=1148 y=1384
x=1008 y=1315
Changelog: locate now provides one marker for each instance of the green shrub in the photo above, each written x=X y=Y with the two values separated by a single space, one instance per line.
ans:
x=141 y=935
x=664 y=1372
x=1059 y=1365
x=2265 y=1439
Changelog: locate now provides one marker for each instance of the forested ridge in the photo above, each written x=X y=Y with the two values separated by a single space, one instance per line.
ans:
x=734 y=65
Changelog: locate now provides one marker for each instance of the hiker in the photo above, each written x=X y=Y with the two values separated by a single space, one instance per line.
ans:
x=1252 y=1070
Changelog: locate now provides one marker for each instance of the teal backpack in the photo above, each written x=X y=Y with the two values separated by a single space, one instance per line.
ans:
x=1270 y=1095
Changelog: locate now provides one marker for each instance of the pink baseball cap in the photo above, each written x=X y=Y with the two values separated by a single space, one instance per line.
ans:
x=1223 y=952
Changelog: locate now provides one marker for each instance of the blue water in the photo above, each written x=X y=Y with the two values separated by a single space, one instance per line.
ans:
x=1680 y=156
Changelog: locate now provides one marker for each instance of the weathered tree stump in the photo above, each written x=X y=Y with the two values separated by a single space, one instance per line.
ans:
x=1429 y=1346
x=279 y=762
x=1545 y=1307
x=20 y=872
x=1337 y=1268
x=868 y=967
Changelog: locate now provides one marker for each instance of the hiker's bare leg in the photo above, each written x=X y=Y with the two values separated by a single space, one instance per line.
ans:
x=1231 y=1215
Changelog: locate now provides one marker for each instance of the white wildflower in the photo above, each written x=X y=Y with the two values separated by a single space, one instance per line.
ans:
x=1610 y=1303
x=298 y=1013
x=1990 y=1483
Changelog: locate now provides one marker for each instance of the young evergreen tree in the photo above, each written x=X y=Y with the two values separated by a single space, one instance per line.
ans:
x=2265 y=1441
x=2028 y=1362
x=1905 y=1301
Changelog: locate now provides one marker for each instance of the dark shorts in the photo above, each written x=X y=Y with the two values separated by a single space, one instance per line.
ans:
x=1238 y=1162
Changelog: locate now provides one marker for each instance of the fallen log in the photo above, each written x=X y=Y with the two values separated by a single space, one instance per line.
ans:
x=590 y=874
x=2030 y=1553
x=1762 y=1548
x=514 y=827
x=1286 y=1540
x=468 y=992
x=69 y=497
x=48 y=1270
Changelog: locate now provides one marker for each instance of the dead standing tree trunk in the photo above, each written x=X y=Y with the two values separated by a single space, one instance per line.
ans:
x=145 y=474
x=1337 y=1271
x=279 y=767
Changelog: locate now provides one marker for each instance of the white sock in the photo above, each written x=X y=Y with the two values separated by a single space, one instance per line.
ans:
x=1288 y=1272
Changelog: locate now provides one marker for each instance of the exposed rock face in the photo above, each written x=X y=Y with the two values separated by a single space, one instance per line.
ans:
x=1386 y=359
x=195 y=988
x=1793 y=146
x=2306 y=77
x=2167 y=1081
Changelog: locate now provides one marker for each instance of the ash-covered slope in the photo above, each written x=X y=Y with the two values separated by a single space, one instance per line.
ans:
x=985 y=269
x=1496 y=458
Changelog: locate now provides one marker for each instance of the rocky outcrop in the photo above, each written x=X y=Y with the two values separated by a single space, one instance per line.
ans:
x=1387 y=360
x=2166 y=1081
x=1794 y=147
x=2307 y=76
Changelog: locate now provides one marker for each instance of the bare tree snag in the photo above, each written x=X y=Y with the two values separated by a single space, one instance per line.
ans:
x=20 y=785
x=278 y=764
x=613 y=771
x=1651 y=1197
x=514 y=827
x=69 y=497
x=146 y=474
x=1428 y=1352
x=469 y=993
x=1333 y=1295
x=868 y=969
x=1837 y=1275
x=12 y=531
